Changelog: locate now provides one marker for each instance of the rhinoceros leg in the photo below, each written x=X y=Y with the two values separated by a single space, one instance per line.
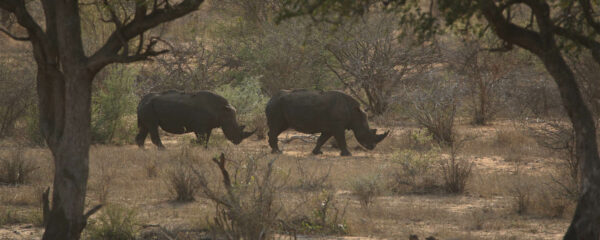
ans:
x=273 y=134
x=155 y=138
x=320 y=141
x=141 y=136
x=207 y=138
x=340 y=137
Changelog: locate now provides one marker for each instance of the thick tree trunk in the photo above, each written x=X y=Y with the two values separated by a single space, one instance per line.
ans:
x=70 y=148
x=586 y=222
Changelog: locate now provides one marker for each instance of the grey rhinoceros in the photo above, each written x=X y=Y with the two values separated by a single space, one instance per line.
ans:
x=177 y=112
x=327 y=112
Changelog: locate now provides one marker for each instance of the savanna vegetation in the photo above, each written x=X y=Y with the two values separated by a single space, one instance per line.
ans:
x=493 y=108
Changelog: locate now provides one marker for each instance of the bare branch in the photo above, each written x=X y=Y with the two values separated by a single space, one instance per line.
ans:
x=14 y=36
x=107 y=53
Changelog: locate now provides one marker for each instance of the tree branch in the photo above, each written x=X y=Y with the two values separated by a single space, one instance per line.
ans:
x=14 y=36
x=109 y=51
x=587 y=13
x=508 y=31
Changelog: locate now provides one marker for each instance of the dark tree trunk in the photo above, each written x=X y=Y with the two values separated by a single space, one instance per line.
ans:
x=64 y=80
x=71 y=158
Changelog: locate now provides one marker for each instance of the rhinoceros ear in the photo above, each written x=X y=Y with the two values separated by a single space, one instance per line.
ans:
x=229 y=108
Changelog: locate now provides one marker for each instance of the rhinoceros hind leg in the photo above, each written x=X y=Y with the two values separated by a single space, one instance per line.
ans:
x=156 y=139
x=320 y=141
x=141 y=136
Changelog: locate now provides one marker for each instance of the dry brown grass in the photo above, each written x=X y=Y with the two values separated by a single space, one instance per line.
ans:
x=485 y=211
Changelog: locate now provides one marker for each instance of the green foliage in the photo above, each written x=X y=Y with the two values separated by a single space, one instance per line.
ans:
x=249 y=102
x=284 y=56
x=114 y=223
x=113 y=101
x=246 y=97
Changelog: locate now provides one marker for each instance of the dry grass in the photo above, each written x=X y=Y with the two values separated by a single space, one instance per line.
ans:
x=486 y=210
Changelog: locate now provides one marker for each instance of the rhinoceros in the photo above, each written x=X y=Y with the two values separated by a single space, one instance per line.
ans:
x=177 y=112
x=327 y=112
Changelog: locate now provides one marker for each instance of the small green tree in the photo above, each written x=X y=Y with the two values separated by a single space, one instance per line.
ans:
x=111 y=103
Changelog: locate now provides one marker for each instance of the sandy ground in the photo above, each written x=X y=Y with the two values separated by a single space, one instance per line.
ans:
x=484 y=211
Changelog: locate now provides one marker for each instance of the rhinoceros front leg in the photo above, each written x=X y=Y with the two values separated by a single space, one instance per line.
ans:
x=204 y=137
x=340 y=137
x=273 y=134
x=320 y=141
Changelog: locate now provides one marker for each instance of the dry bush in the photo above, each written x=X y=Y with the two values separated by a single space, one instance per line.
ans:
x=372 y=60
x=485 y=77
x=247 y=208
x=313 y=180
x=259 y=122
x=188 y=66
x=532 y=195
x=181 y=179
x=114 y=223
x=478 y=218
x=510 y=138
x=367 y=188
x=559 y=138
x=414 y=171
x=327 y=216
x=456 y=170
x=9 y=216
x=15 y=168
x=104 y=184
x=16 y=94
x=433 y=105
x=151 y=169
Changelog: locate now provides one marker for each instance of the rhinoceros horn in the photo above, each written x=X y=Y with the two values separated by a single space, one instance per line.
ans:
x=246 y=134
x=380 y=137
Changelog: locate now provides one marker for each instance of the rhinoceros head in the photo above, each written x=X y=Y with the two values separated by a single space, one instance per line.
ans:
x=234 y=132
x=367 y=137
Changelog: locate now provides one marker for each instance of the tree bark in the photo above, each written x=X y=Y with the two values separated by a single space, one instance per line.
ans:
x=71 y=159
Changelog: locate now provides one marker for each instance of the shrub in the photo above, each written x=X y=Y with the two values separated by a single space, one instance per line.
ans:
x=456 y=170
x=114 y=223
x=15 y=168
x=434 y=106
x=414 y=171
x=112 y=101
x=533 y=195
x=559 y=138
x=327 y=217
x=181 y=178
x=9 y=216
x=312 y=180
x=249 y=102
x=16 y=95
x=366 y=188
x=247 y=208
